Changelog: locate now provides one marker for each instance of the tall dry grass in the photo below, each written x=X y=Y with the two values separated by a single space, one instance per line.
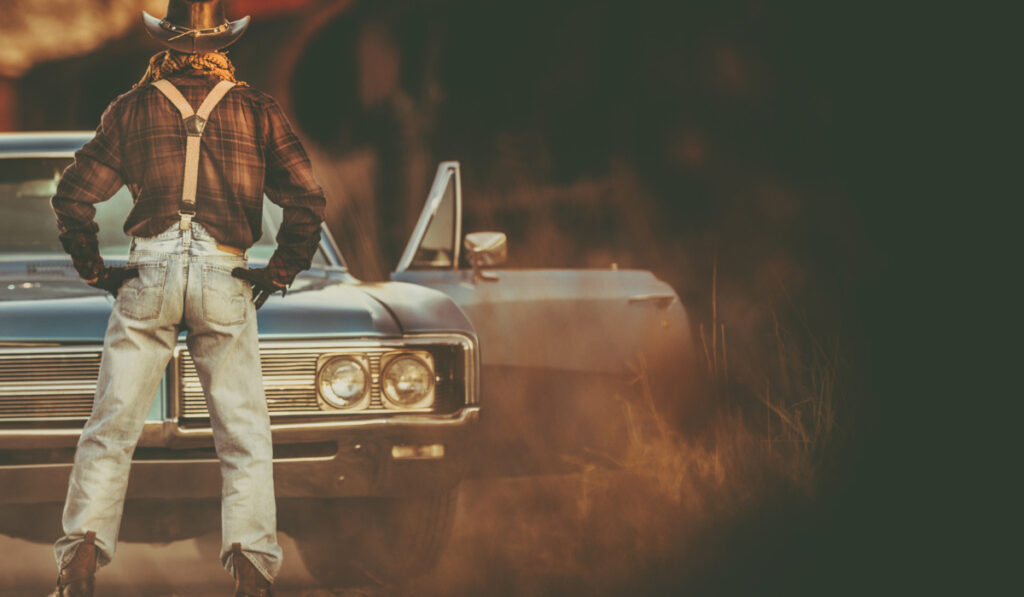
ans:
x=789 y=374
x=707 y=513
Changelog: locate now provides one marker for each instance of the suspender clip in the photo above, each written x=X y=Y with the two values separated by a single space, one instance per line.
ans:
x=194 y=125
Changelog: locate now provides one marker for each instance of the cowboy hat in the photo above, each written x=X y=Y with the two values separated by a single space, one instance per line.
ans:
x=194 y=26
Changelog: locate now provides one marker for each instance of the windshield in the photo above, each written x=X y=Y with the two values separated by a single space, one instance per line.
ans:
x=28 y=227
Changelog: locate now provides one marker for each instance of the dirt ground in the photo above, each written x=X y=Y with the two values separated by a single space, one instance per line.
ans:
x=737 y=511
x=141 y=570
x=482 y=520
x=593 y=533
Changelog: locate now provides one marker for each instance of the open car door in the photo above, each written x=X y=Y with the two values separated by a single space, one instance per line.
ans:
x=559 y=347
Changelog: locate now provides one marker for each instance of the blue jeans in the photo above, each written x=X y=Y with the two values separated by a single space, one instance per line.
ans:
x=183 y=276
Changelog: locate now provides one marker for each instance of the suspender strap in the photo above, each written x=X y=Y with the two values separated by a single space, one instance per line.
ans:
x=195 y=123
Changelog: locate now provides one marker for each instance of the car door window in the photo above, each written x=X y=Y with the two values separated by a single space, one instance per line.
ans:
x=434 y=243
x=438 y=246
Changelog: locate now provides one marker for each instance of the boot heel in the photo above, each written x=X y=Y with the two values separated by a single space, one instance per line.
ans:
x=249 y=582
x=78 y=578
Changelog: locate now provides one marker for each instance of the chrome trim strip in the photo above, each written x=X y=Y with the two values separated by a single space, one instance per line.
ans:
x=43 y=388
x=662 y=301
x=34 y=467
x=40 y=154
x=214 y=460
x=457 y=229
x=47 y=420
x=412 y=420
x=465 y=416
x=18 y=352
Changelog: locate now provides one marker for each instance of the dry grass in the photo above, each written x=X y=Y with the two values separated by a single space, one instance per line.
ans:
x=789 y=374
x=712 y=513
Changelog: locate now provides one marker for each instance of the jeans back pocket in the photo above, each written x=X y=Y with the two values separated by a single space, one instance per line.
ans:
x=225 y=297
x=142 y=297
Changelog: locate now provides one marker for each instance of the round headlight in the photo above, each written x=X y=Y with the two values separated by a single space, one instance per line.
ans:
x=343 y=382
x=407 y=382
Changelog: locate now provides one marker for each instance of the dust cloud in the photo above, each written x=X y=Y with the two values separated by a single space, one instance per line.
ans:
x=727 y=488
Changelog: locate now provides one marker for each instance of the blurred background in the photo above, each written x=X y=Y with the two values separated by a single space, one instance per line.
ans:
x=647 y=134
x=719 y=144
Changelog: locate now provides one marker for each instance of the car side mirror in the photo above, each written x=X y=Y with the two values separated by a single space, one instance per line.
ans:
x=485 y=249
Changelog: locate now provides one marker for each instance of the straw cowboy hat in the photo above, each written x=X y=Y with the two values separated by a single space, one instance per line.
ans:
x=194 y=26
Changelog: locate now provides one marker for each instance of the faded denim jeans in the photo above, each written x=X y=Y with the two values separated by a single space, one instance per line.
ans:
x=183 y=276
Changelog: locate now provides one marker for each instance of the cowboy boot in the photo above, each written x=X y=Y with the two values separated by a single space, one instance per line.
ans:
x=78 y=577
x=248 y=580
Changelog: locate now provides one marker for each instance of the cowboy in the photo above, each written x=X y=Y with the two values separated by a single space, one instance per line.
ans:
x=197 y=149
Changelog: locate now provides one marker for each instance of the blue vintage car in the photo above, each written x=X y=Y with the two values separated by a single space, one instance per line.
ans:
x=521 y=362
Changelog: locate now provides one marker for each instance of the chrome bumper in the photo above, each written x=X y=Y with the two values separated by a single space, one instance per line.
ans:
x=362 y=464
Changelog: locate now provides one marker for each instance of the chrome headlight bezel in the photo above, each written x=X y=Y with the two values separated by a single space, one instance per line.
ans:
x=326 y=395
x=423 y=359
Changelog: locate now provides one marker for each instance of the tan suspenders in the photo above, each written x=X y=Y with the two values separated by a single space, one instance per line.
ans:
x=195 y=122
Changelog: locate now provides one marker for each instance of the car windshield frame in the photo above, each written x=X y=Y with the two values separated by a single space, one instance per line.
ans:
x=331 y=257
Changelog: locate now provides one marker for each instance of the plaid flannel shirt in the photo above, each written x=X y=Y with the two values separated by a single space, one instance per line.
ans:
x=248 y=149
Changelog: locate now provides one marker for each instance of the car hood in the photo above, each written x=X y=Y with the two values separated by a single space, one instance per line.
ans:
x=63 y=308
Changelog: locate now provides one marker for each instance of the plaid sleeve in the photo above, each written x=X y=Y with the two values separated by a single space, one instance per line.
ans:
x=290 y=184
x=93 y=177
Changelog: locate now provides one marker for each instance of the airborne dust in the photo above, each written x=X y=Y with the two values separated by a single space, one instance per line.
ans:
x=704 y=145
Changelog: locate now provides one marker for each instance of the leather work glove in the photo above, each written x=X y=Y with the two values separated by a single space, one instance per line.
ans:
x=111 y=278
x=263 y=285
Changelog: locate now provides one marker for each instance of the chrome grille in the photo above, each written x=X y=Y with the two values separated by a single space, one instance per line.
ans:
x=47 y=383
x=57 y=383
x=289 y=381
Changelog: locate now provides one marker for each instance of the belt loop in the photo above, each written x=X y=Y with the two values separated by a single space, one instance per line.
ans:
x=186 y=239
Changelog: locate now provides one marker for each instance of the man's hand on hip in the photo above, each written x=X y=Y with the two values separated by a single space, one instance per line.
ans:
x=263 y=284
x=111 y=278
